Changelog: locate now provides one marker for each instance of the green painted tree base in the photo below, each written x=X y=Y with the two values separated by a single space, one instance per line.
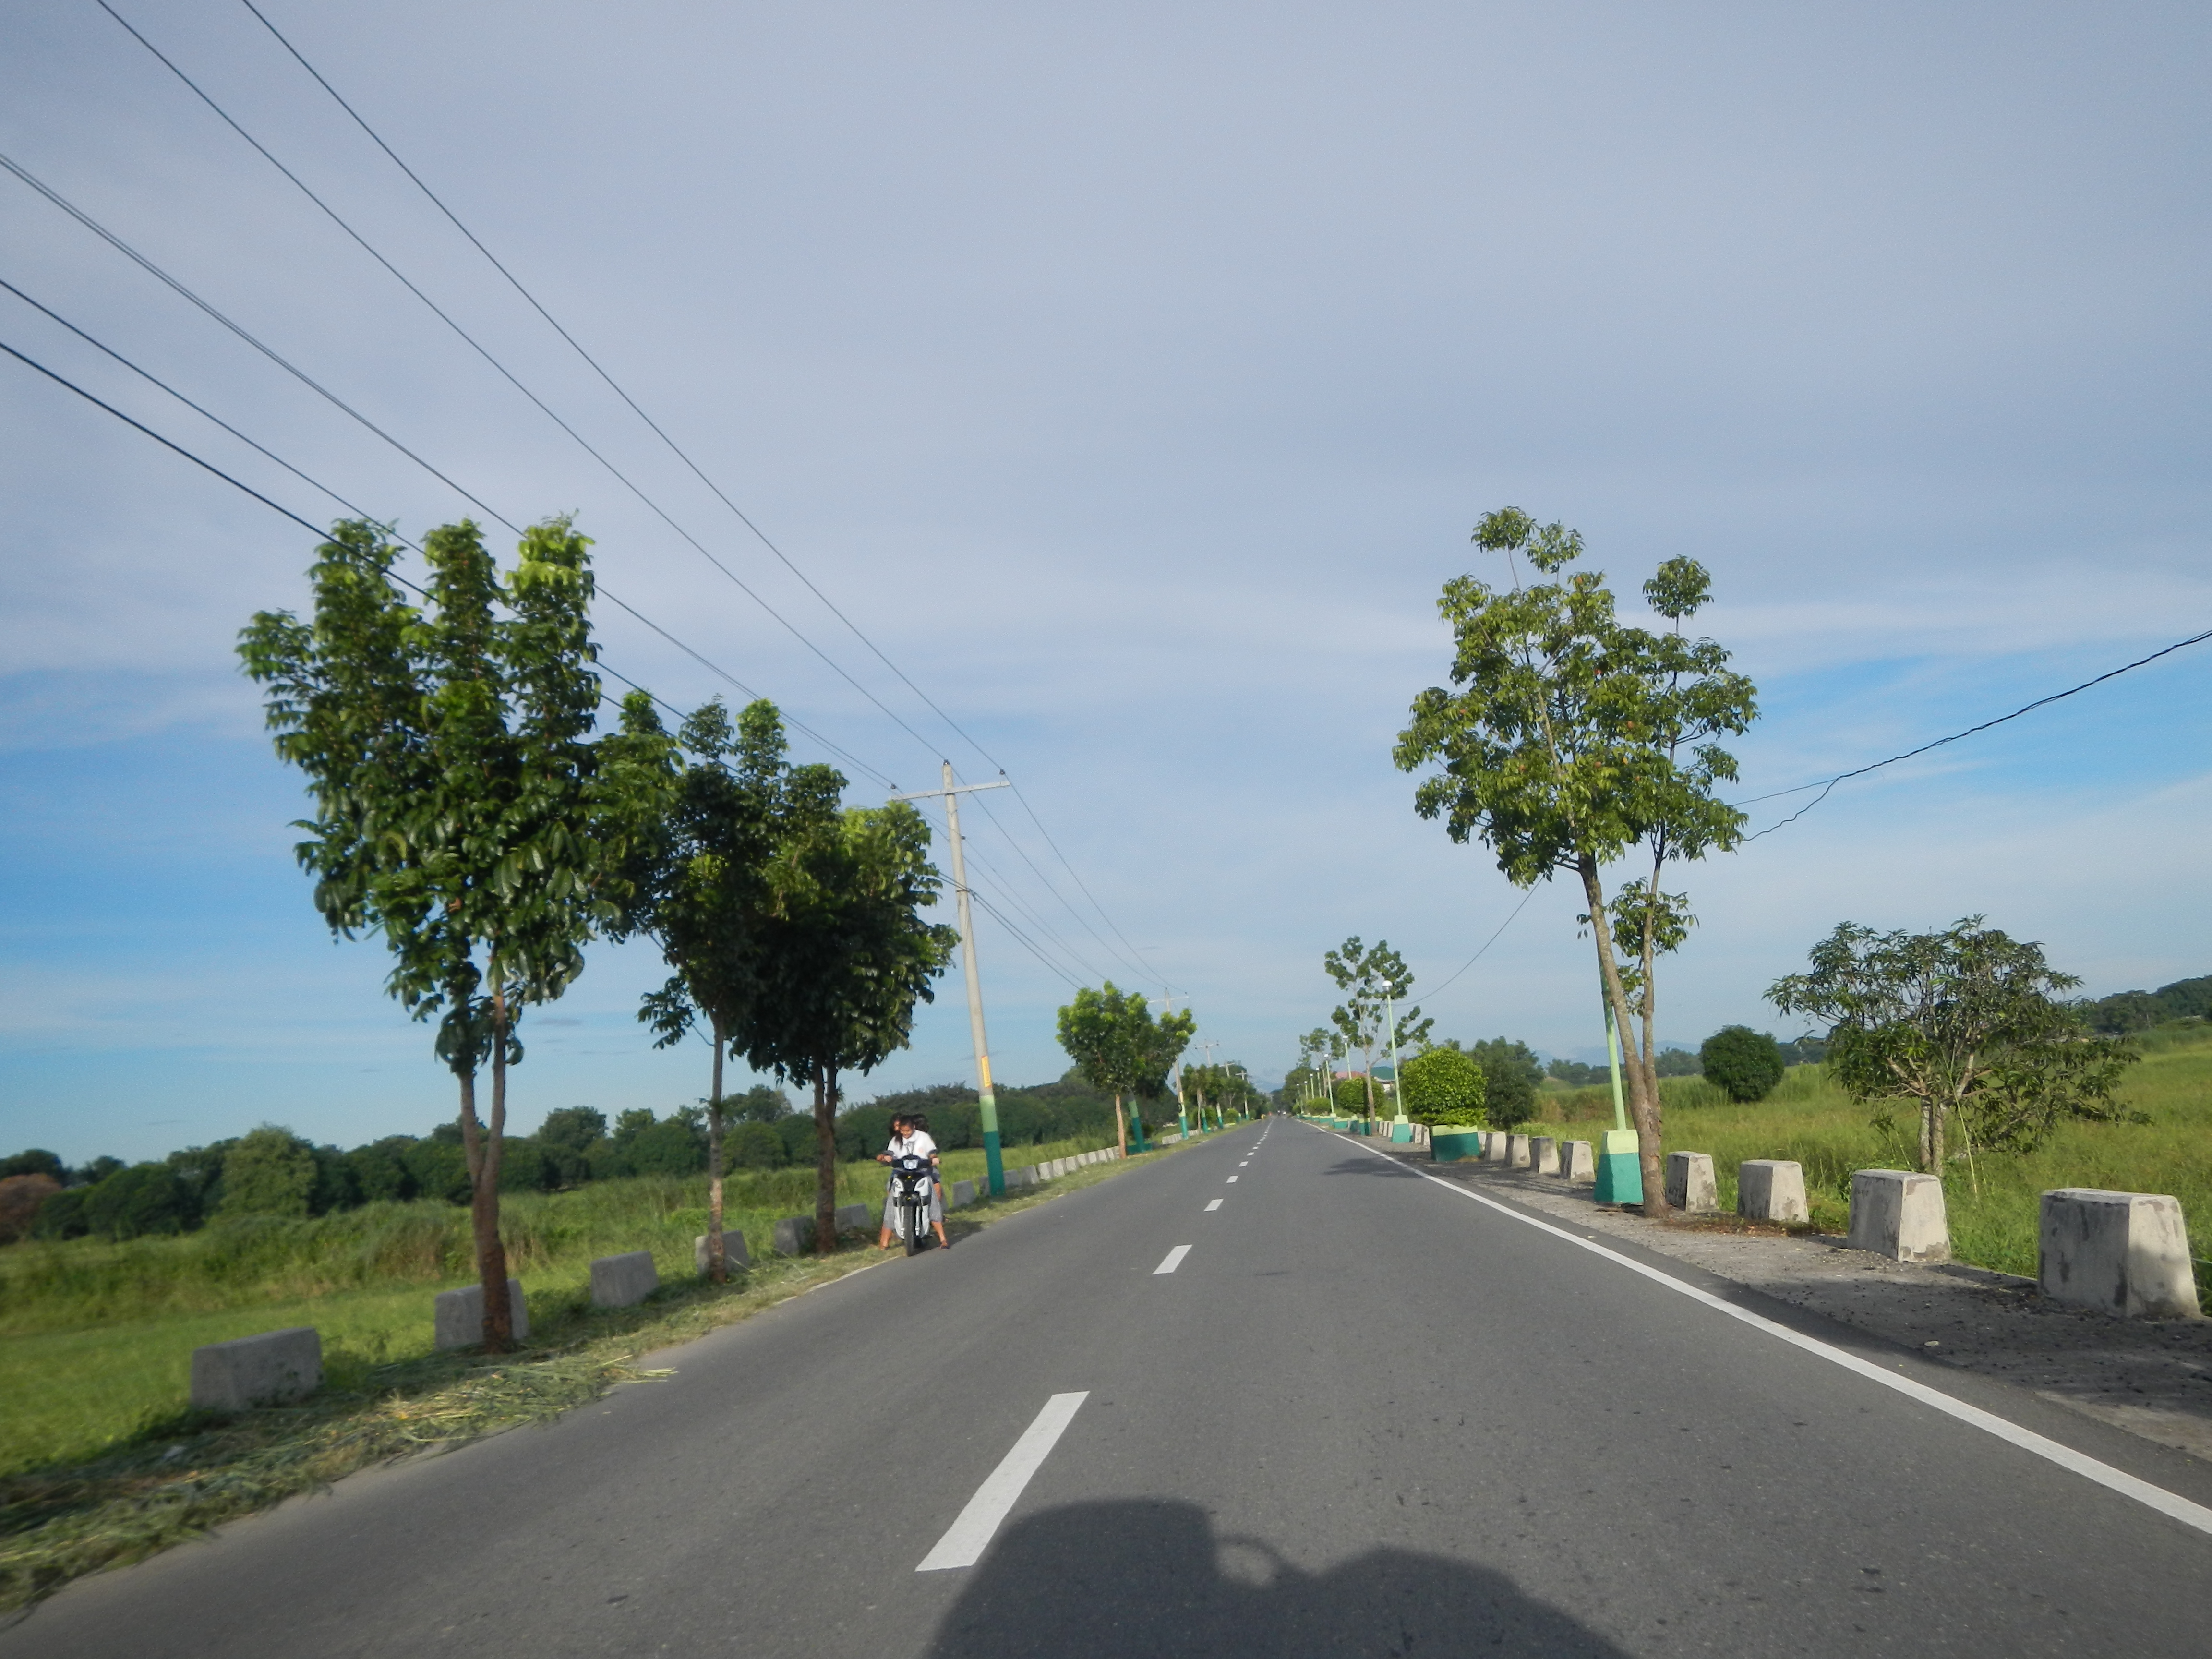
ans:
x=1453 y=1144
x=1620 y=1169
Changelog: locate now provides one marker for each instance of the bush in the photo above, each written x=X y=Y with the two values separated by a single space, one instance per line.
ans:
x=134 y=1203
x=1349 y=1096
x=1444 y=1086
x=22 y=1197
x=1747 y=1064
x=1511 y=1073
x=271 y=1172
x=755 y=1145
x=62 y=1216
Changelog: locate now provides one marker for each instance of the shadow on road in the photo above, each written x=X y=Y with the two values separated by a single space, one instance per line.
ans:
x=1151 y=1579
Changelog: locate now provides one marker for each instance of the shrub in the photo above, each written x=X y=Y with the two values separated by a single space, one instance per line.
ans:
x=1511 y=1073
x=62 y=1216
x=271 y=1172
x=1744 y=1062
x=756 y=1146
x=1446 y=1086
x=1349 y=1096
x=142 y=1199
x=20 y=1198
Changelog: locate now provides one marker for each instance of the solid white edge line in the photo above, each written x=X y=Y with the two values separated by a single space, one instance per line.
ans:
x=1172 y=1260
x=966 y=1538
x=2127 y=1486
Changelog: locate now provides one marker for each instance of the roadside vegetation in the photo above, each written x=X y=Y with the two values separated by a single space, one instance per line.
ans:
x=2162 y=1143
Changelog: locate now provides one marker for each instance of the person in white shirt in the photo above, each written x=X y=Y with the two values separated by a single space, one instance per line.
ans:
x=910 y=1136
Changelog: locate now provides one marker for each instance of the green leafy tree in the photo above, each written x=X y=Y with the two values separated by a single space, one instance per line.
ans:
x=1966 y=1024
x=143 y=1200
x=1443 y=1085
x=703 y=835
x=271 y=1172
x=1746 y=1063
x=448 y=755
x=1571 y=737
x=844 y=954
x=1120 y=1049
x=1373 y=981
x=1511 y=1074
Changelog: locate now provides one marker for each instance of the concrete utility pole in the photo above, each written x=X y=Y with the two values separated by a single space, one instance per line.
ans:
x=951 y=792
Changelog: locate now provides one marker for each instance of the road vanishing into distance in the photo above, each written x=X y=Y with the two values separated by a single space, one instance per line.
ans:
x=1275 y=1394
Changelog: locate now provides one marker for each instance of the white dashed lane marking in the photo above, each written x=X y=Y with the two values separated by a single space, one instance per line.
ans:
x=964 y=1540
x=1174 y=1261
x=1214 y=1206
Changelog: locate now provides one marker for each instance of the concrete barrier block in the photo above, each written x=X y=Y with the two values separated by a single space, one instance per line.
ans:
x=1577 y=1162
x=734 y=1254
x=1516 y=1151
x=853 y=1219
x=459 y=1317
x=273 y=1368
x=1493 y=1146
x=623 y=1281
x=1770 y=1190
x=1898 y=1214
x=964 y=1195
x=794 y=1235
x=2123 y=1254
x=1690 y=1184
x=1544 y=1154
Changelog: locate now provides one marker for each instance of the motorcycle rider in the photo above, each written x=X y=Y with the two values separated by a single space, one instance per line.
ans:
x=910 y=1137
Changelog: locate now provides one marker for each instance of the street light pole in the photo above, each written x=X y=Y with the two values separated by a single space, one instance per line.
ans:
x=1620 y=1165
x=993 y=1166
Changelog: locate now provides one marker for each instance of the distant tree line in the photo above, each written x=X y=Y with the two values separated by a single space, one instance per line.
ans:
x=274 y=1172
x=2126 y=1011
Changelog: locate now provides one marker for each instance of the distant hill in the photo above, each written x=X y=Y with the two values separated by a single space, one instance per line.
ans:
x=2138 y=1011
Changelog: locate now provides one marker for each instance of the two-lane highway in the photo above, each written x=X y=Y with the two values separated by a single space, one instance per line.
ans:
x=1274 y=1395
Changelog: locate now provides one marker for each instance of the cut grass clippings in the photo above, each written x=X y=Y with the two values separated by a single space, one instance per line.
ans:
x=180 y=1476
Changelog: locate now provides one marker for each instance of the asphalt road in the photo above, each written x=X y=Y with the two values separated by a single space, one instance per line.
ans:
x=1362 y=1415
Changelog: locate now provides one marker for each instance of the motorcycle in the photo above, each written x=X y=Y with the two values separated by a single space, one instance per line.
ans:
x=912 y=1186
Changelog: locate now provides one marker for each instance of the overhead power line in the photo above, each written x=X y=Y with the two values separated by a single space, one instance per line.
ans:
x=614 y=386
x=1142 y=969
x=1826 y=784
x=322 y=532
x=511 y=378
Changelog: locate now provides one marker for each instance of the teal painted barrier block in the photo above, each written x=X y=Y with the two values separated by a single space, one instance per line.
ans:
x=1402 y=1134
x=1455 y=1145
x=1619 y=1169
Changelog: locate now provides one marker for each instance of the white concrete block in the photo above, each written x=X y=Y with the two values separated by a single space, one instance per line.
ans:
x=1544 y=1154
x=459 y=1318
x=1493 y=1146
x=1577 y=1161
x=1770 y=1190
x=734 y=1254
x=623 y=1281
x=852 y=1218
x=794 y=1235
x=1897 y=1213
x=2123 y=1254
x=1690 y=1184
x=1516 y=1151
x=964 y=1195
x=273 y=1368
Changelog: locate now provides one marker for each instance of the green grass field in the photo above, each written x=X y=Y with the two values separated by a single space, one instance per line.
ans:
x=1993 y=1205
x=96 y=1338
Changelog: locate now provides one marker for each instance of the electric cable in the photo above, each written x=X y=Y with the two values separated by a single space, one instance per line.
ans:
x=1487 y=943
x=505 y=373
x=677 y=450
x=614 y=386
x=321 y=532
x=1825 y=784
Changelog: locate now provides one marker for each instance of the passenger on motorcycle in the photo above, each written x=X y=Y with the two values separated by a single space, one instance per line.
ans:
x=910 y=1138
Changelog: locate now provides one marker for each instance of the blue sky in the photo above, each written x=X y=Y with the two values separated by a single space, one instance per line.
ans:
x=1133 y=376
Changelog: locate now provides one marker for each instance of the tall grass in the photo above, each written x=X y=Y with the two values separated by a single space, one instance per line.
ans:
x=96 y=1338
x=1993 y=1201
